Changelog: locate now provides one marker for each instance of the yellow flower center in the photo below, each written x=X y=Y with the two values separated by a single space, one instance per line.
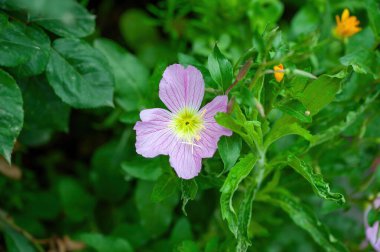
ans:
x=187 y=124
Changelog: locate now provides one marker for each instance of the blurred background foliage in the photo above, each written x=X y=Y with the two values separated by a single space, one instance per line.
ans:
x=76 y=179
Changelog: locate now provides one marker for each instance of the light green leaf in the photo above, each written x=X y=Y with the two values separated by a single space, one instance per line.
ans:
x=220 y=68
x=338 y=128
x=283 y=127
x=229 y=150
x=146 y=169
x=101 y=243
x=189 y=192
x=320 y=187
x=188 y=246
x=296 y=109
x=305 y=21
x=319 y=93
x=131 y=76
x=181 y=231
x=373 y=9
x=231 y=184
x=166 y=185
x=11 y=114
x=363 y=61
x=304 y=218
x=79 y=74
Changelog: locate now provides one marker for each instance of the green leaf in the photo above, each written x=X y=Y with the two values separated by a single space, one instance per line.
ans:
x=188 y=246
x=40 y=42
x=15 y=241
x=304 y=218
x=79 y=74
x=338 y=128
x=44 y=110
x=320 y=92
x=166 y=185
x=76 y=202
x=283 y=127
x=296 y=109
x=131 y=76
x=64 y=18
x=181 y=231
x=101 y=243
x=16 y=47
x=373 y=216
x=373 y=9
x=189 y=192
x=145 y=169
x=154 y=217
x=108 y=180
x=320 y=187
x=363 y=61
x=229 y=150
x=306 y=21
x=245 y=209
x=220 y=68
x=231 y=184
x=12 y=114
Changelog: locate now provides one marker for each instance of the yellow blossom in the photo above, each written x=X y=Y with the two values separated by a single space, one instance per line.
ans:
x=278 y=72
x=347 y=25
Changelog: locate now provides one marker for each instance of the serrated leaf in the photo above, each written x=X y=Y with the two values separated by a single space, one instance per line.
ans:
x=230 y=185
x=11 y=114
x=131 y=76
x=36 y=64
x=229 y=150
x=220 y=68
x=283 y=127
x=319 y=93
x=296 y=109
x=79 y=74
x=304 y=218
x=15 y=46
x=320 y=187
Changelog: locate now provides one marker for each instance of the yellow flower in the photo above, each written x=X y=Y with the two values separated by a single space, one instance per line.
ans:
x=278 y=72
x=346 y=26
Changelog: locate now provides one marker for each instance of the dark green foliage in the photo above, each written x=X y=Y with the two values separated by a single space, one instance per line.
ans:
x=299 y=173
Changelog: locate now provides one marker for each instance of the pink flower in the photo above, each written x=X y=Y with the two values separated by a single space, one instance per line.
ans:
x=186 y=133
x=372 y=232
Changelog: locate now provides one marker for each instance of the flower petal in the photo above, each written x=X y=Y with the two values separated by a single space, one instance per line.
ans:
x=153 y=135
x=209 y=137
x=181 y=87
x=184 y=161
